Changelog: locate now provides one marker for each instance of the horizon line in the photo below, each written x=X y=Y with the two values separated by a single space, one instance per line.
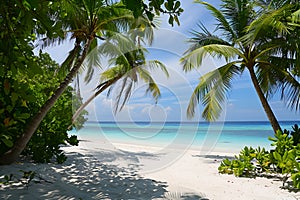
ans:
x=194 y=121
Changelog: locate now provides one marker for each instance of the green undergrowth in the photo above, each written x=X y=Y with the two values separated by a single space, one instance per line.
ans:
x=282 y=160
x=23 y=93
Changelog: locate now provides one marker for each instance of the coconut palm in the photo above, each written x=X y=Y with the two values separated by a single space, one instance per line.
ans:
x=281 y=20
x=129 y=68
x=85 y=21
x=253 y=55
x=129 y=63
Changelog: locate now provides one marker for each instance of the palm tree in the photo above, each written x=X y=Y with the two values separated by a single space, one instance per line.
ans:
x=283 y=19
x=129 y=62
x=86 y=21
x=129 y=68
x=254 y=55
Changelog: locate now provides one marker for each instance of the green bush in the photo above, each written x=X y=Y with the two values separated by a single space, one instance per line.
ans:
x=242 y=165
x=284 y=159
x=23 y=94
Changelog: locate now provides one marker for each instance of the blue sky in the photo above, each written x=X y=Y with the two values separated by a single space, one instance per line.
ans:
x=168 y=46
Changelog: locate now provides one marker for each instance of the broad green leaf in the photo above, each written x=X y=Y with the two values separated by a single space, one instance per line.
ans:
x=7 y=142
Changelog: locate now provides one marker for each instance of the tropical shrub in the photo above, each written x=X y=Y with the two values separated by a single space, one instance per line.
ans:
x=241 y=165
x=284 y=159
x=23 y=95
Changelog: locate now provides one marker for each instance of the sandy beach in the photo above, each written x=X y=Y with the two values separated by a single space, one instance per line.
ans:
x=96 y=170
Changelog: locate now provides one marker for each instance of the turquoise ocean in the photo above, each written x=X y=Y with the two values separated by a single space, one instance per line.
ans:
x=222 y=135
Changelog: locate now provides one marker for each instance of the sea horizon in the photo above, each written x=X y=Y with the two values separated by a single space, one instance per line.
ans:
x=215 y=136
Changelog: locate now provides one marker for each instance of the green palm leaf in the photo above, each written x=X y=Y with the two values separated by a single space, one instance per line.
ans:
x=195 y=58
x=223 y=23
x=271 y=19
x=296 y=18
x=152 y=87
x=211 y=91
x=291 y=91
x=156 y=64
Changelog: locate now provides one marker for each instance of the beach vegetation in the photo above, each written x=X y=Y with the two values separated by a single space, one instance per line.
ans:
x=25 y=93
x=241 y=165
x=26 y=24
x=270 y=56
x=128 y=65
x=282 y=160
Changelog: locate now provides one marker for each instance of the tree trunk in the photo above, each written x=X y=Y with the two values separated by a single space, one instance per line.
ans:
x=104 y=86
x=13 y=154
x=274 y=123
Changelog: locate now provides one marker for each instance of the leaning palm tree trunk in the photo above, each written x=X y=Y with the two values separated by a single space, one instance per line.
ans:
x=268 y=110
x=12 y=155
x=102 y=87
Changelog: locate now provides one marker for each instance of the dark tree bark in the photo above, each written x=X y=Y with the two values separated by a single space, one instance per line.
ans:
x=271 y=116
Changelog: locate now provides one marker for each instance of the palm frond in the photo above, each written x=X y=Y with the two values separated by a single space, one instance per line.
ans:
x=152 y=87
x=203 y=38
x=274 y=78
x=265 y=51
x=239 y=15
x=268 y=77
x=211 y=91
x=91 y=62
x=156 y=64
x=50 y=42
x=112 y=72
x=270 y=20
x=124 y=93
x=223 y=23
x=291 y=92
x=296 y=17
x=114 y=18
x=69 y=61
x=117 y=45
x=142 y=29
x=195 y=58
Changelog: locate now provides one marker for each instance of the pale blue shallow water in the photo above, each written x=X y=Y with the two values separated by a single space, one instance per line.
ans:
x=228 y=135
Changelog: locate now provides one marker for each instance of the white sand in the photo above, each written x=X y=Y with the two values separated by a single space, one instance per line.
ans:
x=96 y=170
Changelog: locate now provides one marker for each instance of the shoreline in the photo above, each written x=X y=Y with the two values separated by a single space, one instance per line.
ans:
x=121 y=171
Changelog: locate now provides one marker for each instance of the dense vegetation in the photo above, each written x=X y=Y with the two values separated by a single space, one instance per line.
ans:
x=22 y=95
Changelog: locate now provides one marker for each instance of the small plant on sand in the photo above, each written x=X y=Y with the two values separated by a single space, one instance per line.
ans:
x=241 y=165
x=284 y=159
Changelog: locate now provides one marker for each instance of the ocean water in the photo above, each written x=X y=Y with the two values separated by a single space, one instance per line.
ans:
x=228 y=136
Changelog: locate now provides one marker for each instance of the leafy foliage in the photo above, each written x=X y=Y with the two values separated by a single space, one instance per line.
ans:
x=30 y=88
x=22 y=95
x=284 y=159
x=52 y=132
x=128 y=64
x=246 y=39
x=155 y=7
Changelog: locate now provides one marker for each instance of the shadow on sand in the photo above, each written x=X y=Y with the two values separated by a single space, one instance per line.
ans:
x=82 y=176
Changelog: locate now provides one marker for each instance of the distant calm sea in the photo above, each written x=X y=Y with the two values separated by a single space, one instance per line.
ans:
x=227 y=136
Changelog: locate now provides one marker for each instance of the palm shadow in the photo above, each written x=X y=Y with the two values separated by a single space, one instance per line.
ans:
x=83 y=176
